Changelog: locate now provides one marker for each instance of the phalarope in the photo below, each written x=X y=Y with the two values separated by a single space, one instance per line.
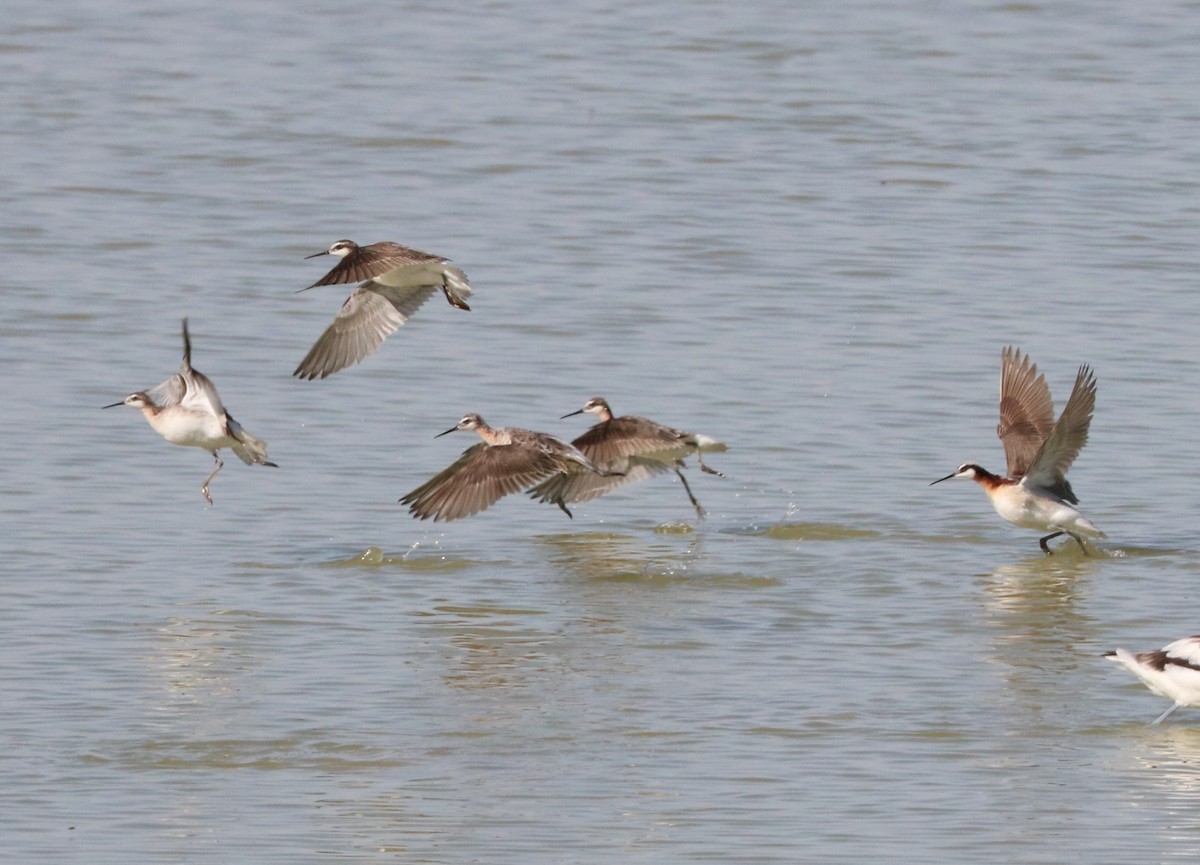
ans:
x=1172 y=671
x=186 y=410
x=634 y=447
x=508 y=460
x=1035 y=494
x=395 y=282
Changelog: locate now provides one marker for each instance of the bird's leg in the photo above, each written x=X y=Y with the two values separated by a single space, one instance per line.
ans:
x=453 y=298
x=1164 y=715
x=688 y=490
x=1046 y=547
x=563 y=507
x=703 y=467
x=1079 y=541
x=204 y=488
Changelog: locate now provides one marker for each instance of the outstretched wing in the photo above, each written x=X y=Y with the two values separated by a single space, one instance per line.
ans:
x=583 y=485
x=478 y=479
x=1026 y=411
x=371 y=314
x=368 y=262
x=632 y=448
x=1068 y=437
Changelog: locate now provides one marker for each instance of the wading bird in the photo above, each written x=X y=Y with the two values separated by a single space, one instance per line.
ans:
x=1035 y=494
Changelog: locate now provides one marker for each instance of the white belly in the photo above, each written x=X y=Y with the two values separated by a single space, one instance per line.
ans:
x=189 y=428
x=1033 y=509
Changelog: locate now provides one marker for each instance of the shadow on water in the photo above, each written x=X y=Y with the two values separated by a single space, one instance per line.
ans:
x=1034 y=610
x=784 y=531
x=620 y=558
x=317 y=750
x=194 y=713
x=1164 y=775
x=374 y=557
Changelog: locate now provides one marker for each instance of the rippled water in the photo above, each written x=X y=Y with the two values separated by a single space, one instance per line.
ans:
x=805 y=231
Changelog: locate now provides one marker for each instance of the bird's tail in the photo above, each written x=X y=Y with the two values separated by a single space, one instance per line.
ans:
x=705 y=443
x=250 y=449
x=456 y=284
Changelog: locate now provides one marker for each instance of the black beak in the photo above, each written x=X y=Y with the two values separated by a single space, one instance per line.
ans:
x=447 y=432
x=572 y=414
x=946 y=478
x=317 y=254
x=114 y=405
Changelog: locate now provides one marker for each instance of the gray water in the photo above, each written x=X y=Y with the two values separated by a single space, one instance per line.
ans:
x=805 y=230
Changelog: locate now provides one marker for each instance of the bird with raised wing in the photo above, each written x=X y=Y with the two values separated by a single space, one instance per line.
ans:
x=394 y=281
x=1035 y=493
x=508 y=460
x=632 y=448
x=1172 y=671
x=186 y=410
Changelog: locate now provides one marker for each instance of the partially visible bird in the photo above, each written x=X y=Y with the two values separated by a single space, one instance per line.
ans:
x=508 y=460
x=632 y=448
x=186 y=410
x=1172 y=671
x=395 y=281
x=1035 y=494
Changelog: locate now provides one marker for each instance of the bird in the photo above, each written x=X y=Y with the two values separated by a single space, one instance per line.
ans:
x=394 y=281
x=506 y=461
x=1172 y=671
x=186 y=410
x=635 y=447
x=1035 y=493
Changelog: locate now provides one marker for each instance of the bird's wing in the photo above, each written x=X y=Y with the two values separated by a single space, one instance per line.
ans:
x=1026 y=411
x=249 y=448
x=609 y=444
x=1067 y=438
x=169 y=392
x=200 y=393
x=580 y=485
x=1185 y=652
x=478 y=479
x=370 y=315
x=369 y=262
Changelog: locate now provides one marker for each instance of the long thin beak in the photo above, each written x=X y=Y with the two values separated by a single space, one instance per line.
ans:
x=572 y=414
x=447 y=432
x=946 y=478
x=114 y=405
x=317 y=254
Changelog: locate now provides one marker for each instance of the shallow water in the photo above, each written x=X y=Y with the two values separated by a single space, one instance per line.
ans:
x=808 y=233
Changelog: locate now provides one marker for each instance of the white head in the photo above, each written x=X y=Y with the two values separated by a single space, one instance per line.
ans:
x=341 y=249
x=971 y=471
x=136 y=400
x=595 y=405
x=468 y=421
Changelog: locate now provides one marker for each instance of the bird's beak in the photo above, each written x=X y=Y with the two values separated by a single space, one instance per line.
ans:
x=447 y=432
x=946 y=478
x=317 y=254
x=572 y=414
x=114 y=405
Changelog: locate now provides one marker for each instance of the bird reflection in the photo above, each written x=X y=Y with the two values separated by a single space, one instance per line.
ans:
x=1039 y=631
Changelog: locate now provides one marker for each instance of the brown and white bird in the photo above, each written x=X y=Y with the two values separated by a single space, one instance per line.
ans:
x=1035 y=493
x=1172 y=671
x=508 y=460
x=629 y=449
x=394 y=282
x=186 y=410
